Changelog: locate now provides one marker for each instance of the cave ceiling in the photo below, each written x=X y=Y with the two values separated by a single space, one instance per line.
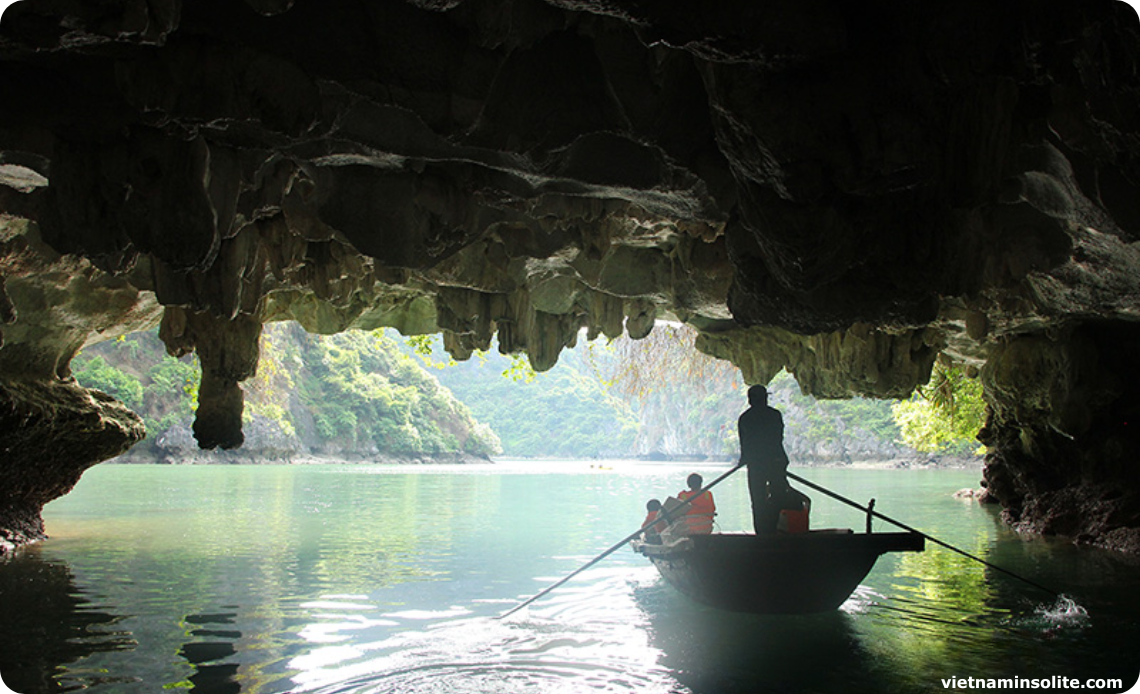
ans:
x=843 y=189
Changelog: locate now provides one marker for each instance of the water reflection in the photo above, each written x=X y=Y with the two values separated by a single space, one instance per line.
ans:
x=712 y=651
x=211 y=675
x=48 y=623
x=591 y=637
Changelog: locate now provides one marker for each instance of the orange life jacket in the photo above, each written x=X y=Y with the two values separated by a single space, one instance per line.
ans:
x=649 y=518
x=699 y=517
x=794 y=521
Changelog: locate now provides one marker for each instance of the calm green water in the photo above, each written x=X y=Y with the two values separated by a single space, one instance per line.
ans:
x=384 y=579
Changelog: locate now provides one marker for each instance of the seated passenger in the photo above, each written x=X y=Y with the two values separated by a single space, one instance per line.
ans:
x=653 y=529
x=699 y=518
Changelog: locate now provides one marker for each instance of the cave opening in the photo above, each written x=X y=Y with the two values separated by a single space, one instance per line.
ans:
x=863 y=195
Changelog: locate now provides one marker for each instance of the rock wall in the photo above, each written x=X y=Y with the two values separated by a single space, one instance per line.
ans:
x=1062 y=433
x=847 y=190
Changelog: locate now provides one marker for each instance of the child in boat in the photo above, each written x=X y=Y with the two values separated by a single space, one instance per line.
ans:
x=653 y=530
x=699 y=518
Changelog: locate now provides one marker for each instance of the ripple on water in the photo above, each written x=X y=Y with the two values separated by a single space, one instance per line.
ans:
x=485 y=655
x=590 y=637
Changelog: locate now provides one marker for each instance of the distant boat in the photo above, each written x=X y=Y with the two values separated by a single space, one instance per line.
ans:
x=775 y=574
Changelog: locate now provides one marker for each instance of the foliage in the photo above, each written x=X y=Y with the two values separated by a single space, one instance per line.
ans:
x=96 y=373
x=426 y=347
x=353 y=392
x=519 y=369
x=171 y=396
x=687 y=402
x=827 y=422
x=273 y=384
x=136 y=370
x=423 y=346
x=655 y=395
x=944 y=416
x=564 y=412
x=363 y=392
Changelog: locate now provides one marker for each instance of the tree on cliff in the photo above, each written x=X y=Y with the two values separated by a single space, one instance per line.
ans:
x=945 y=415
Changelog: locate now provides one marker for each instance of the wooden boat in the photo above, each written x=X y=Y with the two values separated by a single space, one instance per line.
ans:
x=775 y=574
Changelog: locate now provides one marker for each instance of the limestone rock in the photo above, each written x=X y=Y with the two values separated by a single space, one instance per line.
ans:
x=1062 y=433
x=262 y=443
x=50 y=432
x=228 y=351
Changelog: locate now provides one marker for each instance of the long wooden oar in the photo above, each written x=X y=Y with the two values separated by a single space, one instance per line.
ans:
x=904 y=526
x=666 y=516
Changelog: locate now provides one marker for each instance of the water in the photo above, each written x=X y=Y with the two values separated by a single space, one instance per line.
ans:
x=338 y=579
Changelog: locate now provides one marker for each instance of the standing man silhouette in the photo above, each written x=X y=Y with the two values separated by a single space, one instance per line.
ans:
x=761 y=430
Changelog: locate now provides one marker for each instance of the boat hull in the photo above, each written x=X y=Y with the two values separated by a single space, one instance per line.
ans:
x=777 y=574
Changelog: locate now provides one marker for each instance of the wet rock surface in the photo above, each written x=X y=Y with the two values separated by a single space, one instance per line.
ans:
x=845 y=190
x=52 y=432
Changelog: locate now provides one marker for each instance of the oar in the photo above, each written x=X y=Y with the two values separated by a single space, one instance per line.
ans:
x=935 y=540
x=667 y=516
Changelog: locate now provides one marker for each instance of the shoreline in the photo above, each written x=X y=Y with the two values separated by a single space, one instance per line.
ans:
x=420 y=459
x=238 y=458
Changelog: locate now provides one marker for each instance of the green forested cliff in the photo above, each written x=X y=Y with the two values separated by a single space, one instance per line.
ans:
x=353 y=395
x=136 y=370
x=358 y=392
x=373 y=396
x=565 y=412
x=573 y=410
